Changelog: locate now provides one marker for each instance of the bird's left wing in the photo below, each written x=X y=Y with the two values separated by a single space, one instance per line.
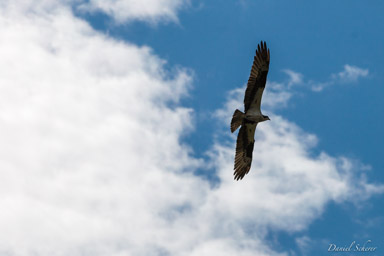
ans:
x=244 y=149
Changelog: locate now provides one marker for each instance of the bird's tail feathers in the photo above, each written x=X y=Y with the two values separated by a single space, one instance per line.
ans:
x=237 y=119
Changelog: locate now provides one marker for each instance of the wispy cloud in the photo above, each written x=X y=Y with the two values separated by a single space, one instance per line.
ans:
x=151 y=11
x=304 y=243
x=294 y=77
x=350 y=74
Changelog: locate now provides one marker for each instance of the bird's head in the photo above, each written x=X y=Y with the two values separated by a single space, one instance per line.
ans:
x=266 y=118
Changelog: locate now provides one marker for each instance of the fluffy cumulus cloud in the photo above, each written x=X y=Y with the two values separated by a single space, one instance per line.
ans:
x=144 y=10
x=92 y=162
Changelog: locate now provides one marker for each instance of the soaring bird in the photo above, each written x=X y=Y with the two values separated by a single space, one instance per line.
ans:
x=252 y=116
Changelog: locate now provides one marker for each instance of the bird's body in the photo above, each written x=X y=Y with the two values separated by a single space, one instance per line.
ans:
x=252 y=116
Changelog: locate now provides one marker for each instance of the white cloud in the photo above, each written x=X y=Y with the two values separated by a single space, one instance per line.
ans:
x=150 y=11
x=350 y=74
x=91 y=161
x=277 y=95
x=318 y=86
x=304 y=243
x=294 y=77
x=145 y=10
x=31 y=7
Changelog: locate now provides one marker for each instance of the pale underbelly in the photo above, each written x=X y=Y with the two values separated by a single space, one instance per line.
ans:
x=254 y=118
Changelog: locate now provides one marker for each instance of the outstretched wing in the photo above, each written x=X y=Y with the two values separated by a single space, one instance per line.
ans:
x=244 y=149
x=257 y=78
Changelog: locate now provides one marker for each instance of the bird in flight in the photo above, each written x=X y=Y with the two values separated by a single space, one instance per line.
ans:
x=252 y=116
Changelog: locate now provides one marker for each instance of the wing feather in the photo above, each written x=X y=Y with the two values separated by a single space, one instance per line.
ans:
x=244 y=149
x=258 y=77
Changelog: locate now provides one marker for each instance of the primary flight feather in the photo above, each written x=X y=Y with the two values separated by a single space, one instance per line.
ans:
x=252 y=114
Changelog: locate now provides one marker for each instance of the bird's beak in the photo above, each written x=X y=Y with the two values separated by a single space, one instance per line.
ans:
x=269 y=119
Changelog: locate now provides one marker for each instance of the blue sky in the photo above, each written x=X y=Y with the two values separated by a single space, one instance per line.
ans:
x=127 y=105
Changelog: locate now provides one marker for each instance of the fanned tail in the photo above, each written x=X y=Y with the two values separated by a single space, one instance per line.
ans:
x=237 y=119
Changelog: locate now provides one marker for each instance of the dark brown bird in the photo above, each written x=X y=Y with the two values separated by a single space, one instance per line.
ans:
x=252 y=116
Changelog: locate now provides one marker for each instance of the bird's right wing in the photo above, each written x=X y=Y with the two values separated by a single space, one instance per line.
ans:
x=244 y=149
x=257 y=78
